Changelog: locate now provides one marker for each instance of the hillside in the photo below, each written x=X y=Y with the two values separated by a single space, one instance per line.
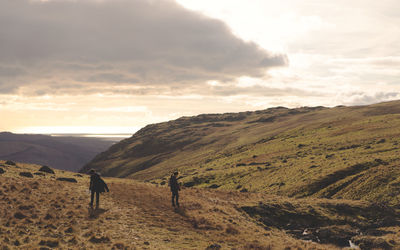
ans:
x=39 y=211
x=61 y=152
x=341 y=152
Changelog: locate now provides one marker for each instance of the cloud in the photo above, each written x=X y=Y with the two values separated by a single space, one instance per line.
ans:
x=122 y=41
x=364 y=98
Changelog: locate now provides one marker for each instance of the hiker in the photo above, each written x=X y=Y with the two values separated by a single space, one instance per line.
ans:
x=97 y=185
x=175 y=188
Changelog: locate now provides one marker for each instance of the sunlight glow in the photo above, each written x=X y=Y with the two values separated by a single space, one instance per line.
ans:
x=78 y=130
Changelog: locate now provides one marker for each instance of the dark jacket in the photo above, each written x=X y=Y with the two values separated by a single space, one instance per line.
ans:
x=97 y=184
x=173 y=184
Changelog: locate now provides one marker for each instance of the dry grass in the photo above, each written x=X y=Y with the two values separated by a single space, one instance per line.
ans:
x=42 y=212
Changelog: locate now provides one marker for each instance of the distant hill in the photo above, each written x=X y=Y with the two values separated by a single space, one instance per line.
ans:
x=61 y=152
x=341 y=152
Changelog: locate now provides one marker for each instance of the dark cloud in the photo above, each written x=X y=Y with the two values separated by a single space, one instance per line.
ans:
x=132 y=41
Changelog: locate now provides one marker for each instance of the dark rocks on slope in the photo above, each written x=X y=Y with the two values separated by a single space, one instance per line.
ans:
x=213 y=246
x=26 y=174
x=48 y=243
x=19 y=215
x=102 y=239
x=67 y=179
x=46 y=169
x=10 y=163
x=2 y=171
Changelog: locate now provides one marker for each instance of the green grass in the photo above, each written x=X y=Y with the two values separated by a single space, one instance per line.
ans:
x=289 y=154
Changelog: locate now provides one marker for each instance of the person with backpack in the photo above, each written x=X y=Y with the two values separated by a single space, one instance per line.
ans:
x=175 y=188
x=97 y=186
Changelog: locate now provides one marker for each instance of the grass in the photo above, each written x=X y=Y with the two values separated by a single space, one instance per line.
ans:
x=290 y=154
x=42 y=212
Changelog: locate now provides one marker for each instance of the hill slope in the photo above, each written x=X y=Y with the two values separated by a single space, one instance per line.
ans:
x=40 y=211
x=341 y=152
x=68 y=153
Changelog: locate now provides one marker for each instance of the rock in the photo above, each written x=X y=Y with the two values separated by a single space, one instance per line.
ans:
x=69 y=230
x=189 y=184
x=46 y=169
x=67 y=179
x=366 y=242
x=26 y=174
x=381 y=141
x=146 y=243
x=214 y=186
x=48 y=217
x=214 y=246
x=329 y=156
x=118 y=246
x=11 y=163
x=16 y=243
x=39 y=173
x=19 y=215
x=2 y=171
x=244 y=190
x=48 y=243
x=35 y=185
x=102 y=239
x=73 y=241
x=22 y=207
x=78 y=175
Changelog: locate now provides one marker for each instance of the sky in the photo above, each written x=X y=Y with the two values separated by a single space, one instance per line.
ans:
x=114 y=66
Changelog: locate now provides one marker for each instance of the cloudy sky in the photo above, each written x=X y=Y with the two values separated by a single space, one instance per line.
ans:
x=113 y=66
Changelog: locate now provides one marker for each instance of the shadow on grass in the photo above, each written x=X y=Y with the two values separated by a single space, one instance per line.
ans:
x=94 y=213
x=181 y=211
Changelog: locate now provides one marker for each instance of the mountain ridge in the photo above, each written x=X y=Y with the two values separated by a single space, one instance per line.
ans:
x=68 y=153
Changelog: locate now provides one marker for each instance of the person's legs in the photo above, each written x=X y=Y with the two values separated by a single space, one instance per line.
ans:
x=173 y=197
x=177 y=199
x=91 y=198
x=97 y=199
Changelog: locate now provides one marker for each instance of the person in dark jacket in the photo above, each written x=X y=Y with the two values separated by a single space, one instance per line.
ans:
x=175 y=188
x=97 y=185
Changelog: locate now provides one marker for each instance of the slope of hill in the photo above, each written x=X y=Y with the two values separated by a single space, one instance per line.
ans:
x=341 y=152
x=68 y=153
x=43 y=212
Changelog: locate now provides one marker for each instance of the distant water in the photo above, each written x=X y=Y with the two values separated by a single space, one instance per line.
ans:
x=108 y=137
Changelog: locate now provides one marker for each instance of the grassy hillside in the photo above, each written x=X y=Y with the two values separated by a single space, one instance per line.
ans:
x=41 y=211
x=341 y=152
x=63 y=152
